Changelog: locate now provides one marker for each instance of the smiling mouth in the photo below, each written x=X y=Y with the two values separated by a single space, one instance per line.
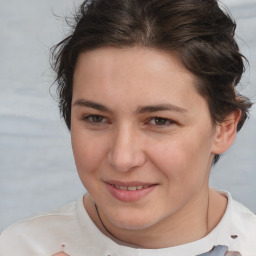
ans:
x=129 y=191
x=131 y=188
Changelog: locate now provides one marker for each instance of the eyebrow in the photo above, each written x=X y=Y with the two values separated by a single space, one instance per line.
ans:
x=91 y=104
x=160 y=107
x=140 y=109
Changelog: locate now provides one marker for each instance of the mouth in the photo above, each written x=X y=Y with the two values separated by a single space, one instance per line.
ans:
x=131 y=188
x=131 y=191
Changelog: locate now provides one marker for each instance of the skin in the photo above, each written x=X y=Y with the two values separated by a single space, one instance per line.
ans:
x=60 y=254
x=116 y=137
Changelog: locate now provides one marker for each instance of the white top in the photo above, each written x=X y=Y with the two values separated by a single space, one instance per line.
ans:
x=71 y=230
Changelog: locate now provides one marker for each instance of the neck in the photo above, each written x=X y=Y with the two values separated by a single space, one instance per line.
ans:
x=191 y=223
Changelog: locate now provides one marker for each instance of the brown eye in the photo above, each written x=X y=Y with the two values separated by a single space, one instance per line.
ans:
x=96 y=119
x=160 y=121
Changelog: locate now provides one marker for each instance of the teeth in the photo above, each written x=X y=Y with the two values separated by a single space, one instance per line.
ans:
x=131 y=188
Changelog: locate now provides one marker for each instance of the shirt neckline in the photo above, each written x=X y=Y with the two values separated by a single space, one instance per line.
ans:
x=218 y=236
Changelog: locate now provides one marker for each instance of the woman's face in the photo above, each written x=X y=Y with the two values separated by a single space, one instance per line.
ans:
x=142 y=136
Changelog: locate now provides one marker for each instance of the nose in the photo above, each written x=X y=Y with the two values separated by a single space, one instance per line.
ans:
x=126 y=150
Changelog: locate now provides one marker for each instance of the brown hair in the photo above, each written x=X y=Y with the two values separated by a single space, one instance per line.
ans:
x=198 y=32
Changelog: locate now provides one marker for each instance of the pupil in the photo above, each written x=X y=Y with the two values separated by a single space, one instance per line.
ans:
x=160 y=121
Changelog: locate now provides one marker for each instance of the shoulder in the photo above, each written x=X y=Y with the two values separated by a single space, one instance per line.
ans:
x=40 y=231
x=43 y=220
x=237 y=228
x=68 y=229
x=243 y=212
x=243 y=228
x=243 y=218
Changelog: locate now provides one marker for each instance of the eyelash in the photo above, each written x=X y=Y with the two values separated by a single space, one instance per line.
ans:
x=89 y=119
x=167 y=122
x=155 y=119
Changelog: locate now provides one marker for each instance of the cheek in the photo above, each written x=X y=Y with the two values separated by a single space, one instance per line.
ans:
x=184 y=158
x=88 y=157
x=88 y=151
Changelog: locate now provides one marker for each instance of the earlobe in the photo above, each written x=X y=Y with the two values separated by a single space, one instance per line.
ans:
x=225 y=133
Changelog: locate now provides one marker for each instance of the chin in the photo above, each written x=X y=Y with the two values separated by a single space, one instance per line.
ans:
x=134 y=223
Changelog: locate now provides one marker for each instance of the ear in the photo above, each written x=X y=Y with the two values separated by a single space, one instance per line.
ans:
x=225 y=133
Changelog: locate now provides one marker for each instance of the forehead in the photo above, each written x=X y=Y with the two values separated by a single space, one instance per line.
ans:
x=133 y=75
x=129 y=57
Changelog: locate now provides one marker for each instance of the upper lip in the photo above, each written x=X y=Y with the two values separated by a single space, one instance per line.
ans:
x=129 y=184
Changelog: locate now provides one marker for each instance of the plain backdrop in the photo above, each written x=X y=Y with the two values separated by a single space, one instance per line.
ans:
x=37 y=171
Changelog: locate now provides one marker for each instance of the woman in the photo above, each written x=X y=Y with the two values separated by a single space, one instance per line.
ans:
x=147 y=89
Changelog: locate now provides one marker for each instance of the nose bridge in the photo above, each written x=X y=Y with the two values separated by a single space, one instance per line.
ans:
x=126 y=148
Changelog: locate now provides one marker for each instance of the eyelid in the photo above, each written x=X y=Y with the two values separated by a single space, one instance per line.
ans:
x=106 y=121
x=169 y=121
x=86 y=118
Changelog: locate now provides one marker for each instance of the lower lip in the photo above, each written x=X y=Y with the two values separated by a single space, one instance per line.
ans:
x=129 y=195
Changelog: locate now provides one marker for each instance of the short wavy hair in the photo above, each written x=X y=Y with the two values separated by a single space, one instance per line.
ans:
x=198 y=32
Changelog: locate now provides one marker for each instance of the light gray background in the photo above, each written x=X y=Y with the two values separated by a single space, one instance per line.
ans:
x=37 y=170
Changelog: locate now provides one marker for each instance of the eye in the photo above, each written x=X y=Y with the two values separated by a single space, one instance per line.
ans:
x=160 y=121
x=94 y=119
